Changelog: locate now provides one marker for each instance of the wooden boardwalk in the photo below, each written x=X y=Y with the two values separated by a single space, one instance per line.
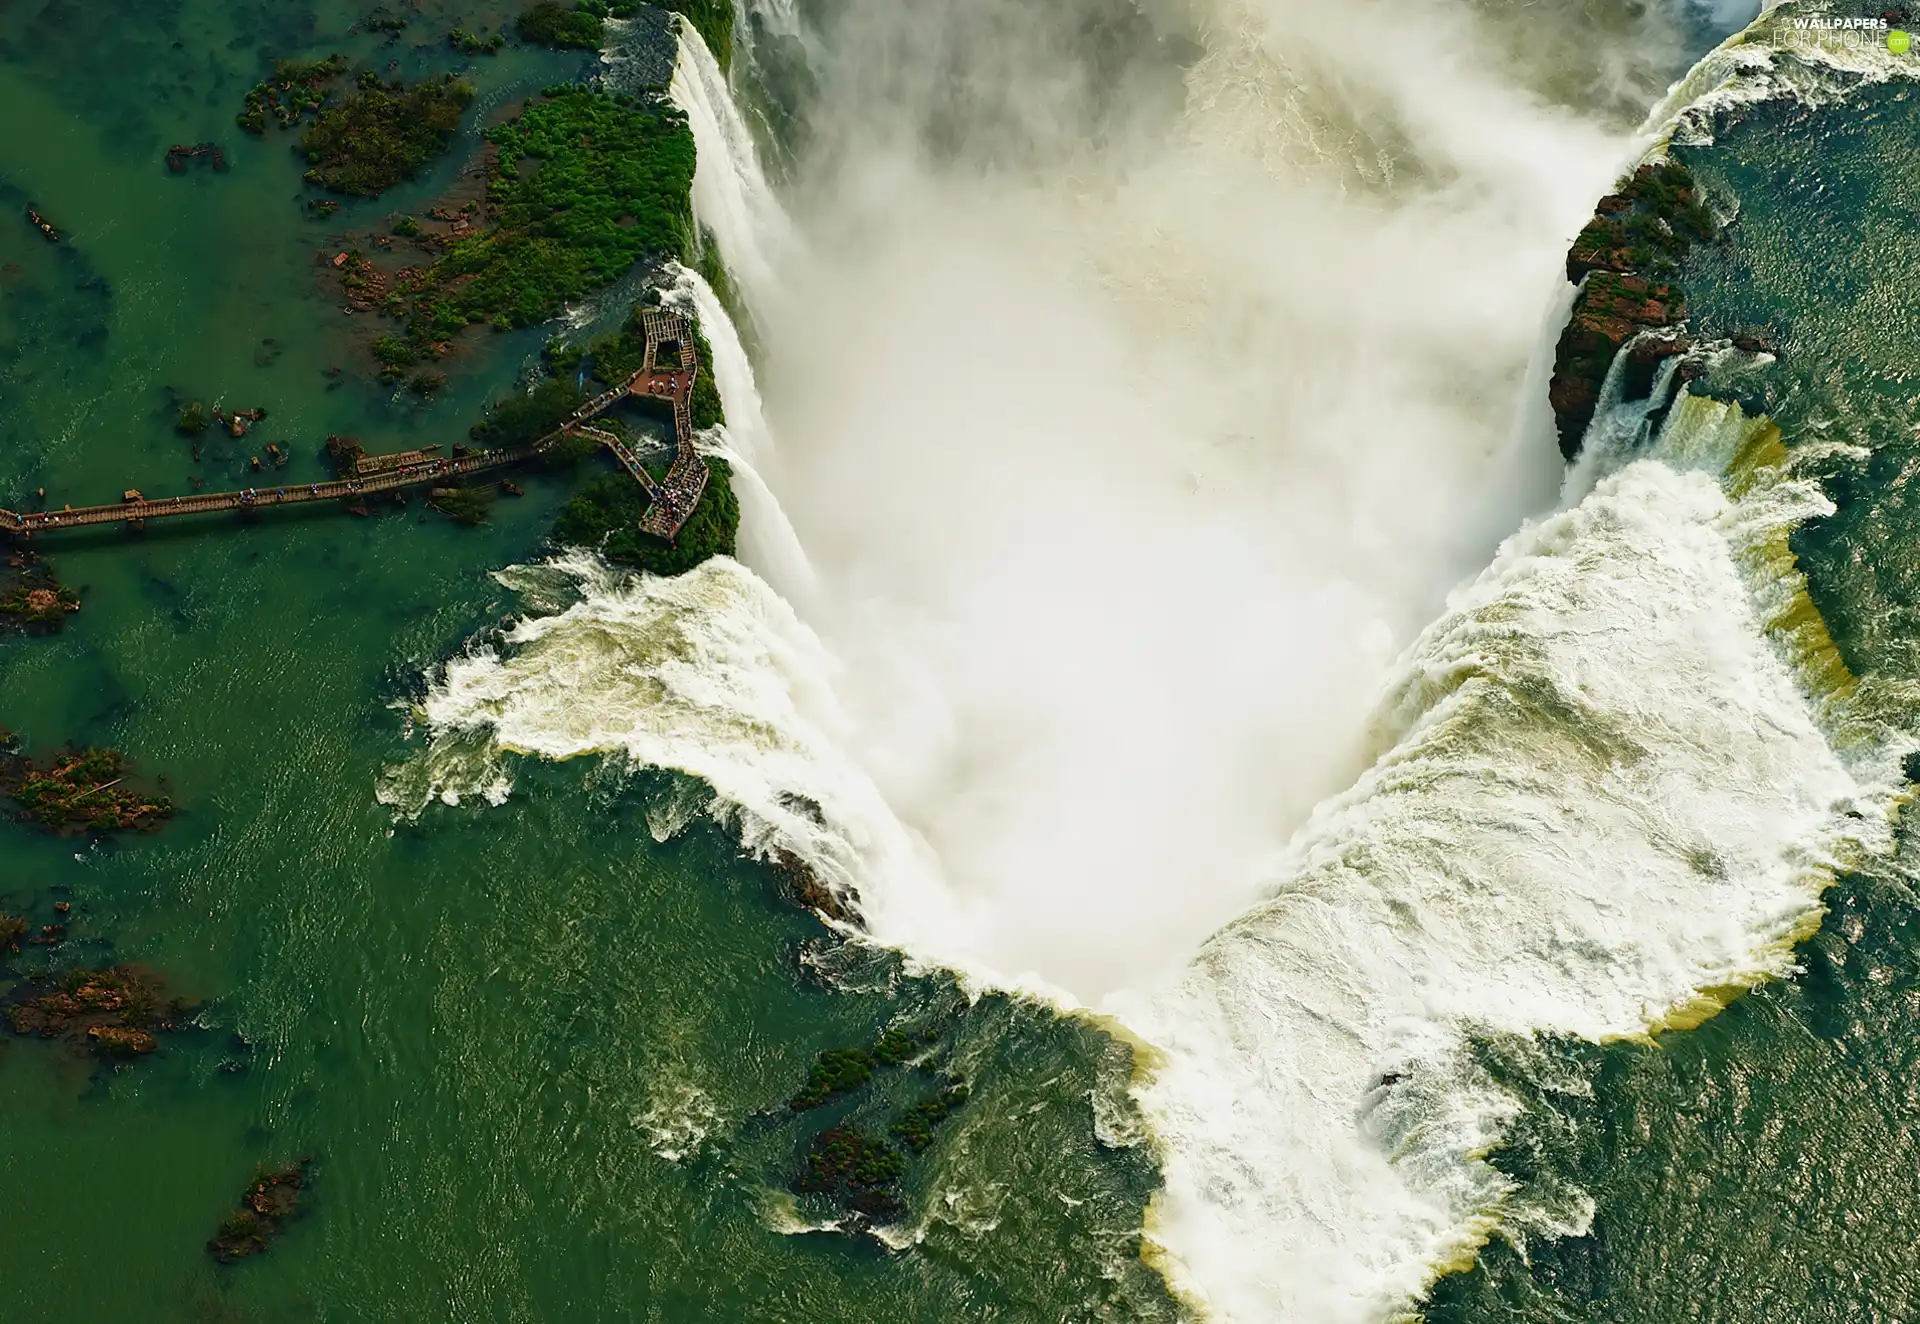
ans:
x=672 y=500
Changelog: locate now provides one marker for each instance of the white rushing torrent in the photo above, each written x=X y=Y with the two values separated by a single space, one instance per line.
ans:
x=1602 y=792
x=1118 y=473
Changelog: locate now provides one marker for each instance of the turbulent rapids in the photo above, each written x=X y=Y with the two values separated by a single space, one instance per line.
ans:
x=1103 y=482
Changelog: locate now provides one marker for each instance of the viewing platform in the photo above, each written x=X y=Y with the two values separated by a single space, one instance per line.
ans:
x=667 y=375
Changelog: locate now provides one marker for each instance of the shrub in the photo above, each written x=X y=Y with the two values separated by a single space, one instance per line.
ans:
x=605 y=515
x=547 y=24
x=612 y=188
x=383 y=135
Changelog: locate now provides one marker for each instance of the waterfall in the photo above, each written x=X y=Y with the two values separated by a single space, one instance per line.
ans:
x=1110 y=500
x=731 y=197
x=1603 y=790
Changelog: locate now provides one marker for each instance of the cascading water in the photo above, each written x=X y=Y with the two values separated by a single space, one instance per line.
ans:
x=1109 y=493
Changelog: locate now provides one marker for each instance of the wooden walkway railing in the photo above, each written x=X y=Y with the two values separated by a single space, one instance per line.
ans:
x=672 y=501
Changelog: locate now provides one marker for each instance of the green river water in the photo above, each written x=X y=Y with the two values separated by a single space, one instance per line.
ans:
x=540 y=1056
x=537 y=1056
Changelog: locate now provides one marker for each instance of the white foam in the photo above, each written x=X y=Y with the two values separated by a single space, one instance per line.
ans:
x=1120 y=496
x=767 y=540
x=730 y=192
x=1602 y=791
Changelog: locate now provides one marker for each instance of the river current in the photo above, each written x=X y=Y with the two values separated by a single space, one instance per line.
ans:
x=1159 y=607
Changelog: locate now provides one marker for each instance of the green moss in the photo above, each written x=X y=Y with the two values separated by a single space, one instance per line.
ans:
x=383 y=134
x=605 y=515
x=548 y=24
x=611 y=187
x=193 y=419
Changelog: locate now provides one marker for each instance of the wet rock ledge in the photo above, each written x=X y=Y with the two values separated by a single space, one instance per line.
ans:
x=1624 y=261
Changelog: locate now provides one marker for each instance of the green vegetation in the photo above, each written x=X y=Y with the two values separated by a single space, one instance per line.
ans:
x=605 y=515
x=834 y=1072
x=846 y=1161
x=463 y=505
x=80 y=790
x=39 y=606
x=897 y=1046
x=584 y=25
x=713 y=20
x=385 y=21
x=469 y=43
x=294 y=90
x=383 y=134
x=527 y=416
x=840 y=1070
x=586 y=184
x=1647 y=225
x=548 y=24
x=393 y=352
x=914 y=1127
x=703 y=407
x=193 y=419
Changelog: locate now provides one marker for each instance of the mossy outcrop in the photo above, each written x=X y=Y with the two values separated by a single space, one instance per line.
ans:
x=849 y=1161
x=274 y=1198
x=114 y=1013
x=79 y=791
x=839 y=1071
x=915 y=1126
x=32 y=596
x=39 y=606
x=1627 y=256
x=383 y=133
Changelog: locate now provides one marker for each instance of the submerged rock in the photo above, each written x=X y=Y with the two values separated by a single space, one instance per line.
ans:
x=268 y=1205
x=33 y=597
x=799 y=882
x=113 y=1013
x=78 y=790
